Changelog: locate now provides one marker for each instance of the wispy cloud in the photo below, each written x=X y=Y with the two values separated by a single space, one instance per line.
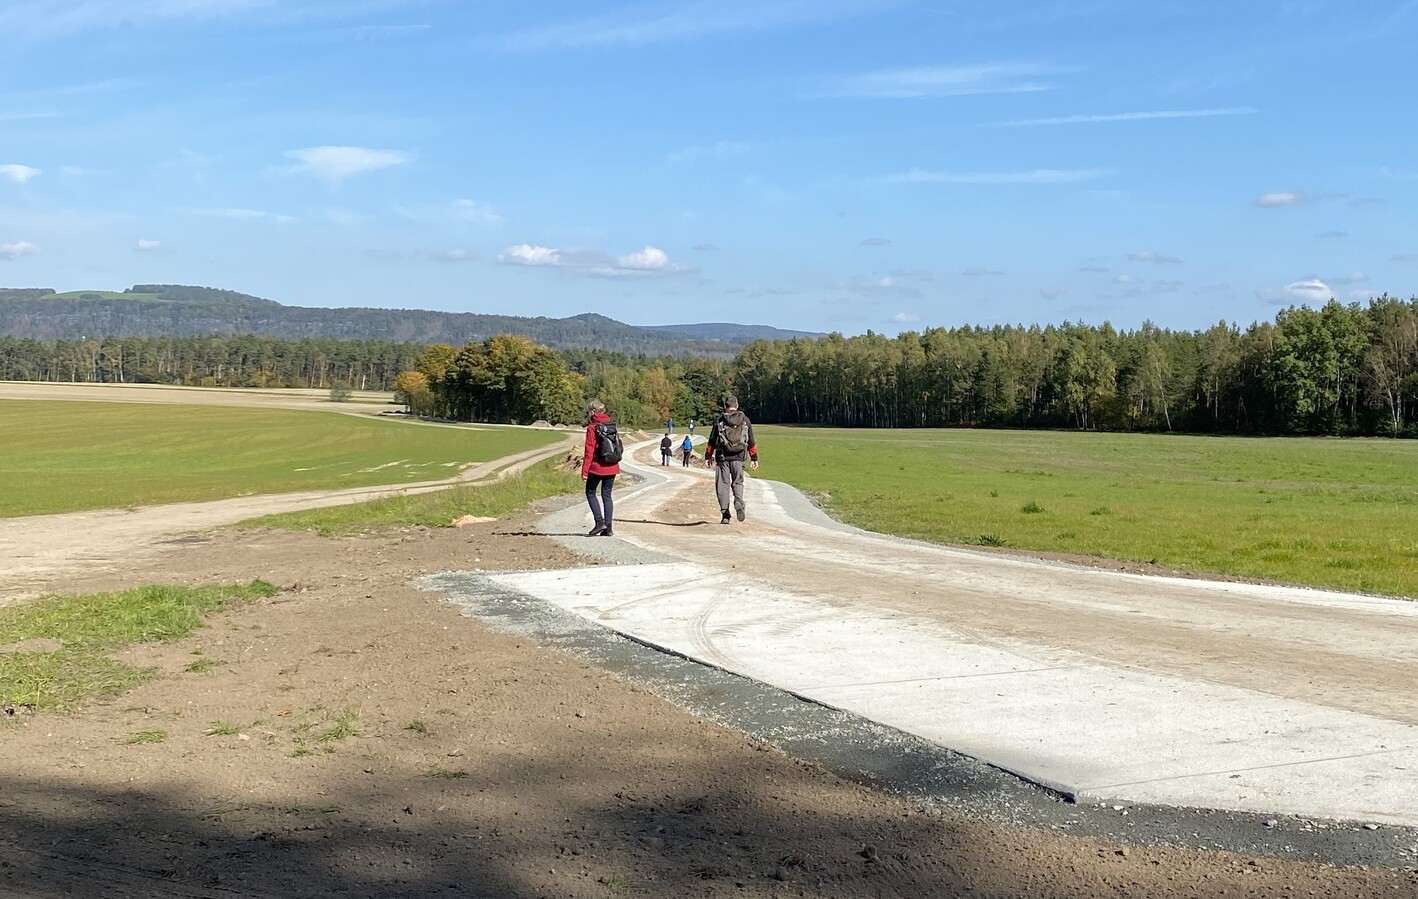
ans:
x=876 y=241
x=979 y=271
x=1027 y=176
x=723 y=149
x=145 y=245
x=18 y=173
x=905 y=318
x=243 y=215
x=883 y=286
x=656 y=24
x=335 y=164
x=1153 y=257
x=1347 y=280
x=49 y=19
x=460 y=210
x=704 y=247
x=1125 y=117
x=1330 y=235
x=1404 y=257
x=945 y=81
x=16 y=250
x=650 y=262
x=1052 y=293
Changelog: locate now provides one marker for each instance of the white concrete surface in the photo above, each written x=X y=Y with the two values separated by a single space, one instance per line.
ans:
x=1110 y=686
x=1051 y=716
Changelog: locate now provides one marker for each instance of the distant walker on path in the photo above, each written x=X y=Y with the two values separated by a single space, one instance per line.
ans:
x=666 y=449
x=688 y=449
x=730 y=444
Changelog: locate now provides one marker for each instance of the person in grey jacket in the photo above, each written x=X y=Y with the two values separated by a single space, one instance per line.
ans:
x=730 y=445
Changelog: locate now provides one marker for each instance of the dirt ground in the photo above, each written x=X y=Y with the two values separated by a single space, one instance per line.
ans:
x=387 y=746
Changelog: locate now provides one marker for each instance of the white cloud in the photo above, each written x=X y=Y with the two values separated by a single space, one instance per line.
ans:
x=685 y=21
x=1154 y=257
x=146 y=246
x=18 y=173
x=526 y=254
x=905 y=318
x=946 y=81
x=978 y=271
x=16 y=250
x=1028 y=176
x=1125 y=117
x=338 y=163
x=46 y=19
x=1311 y=292
x=1094 y=268
x=454 y=256
x=1124 y=279
x=648 y=262
x=1280 y=198
x=1360 y=295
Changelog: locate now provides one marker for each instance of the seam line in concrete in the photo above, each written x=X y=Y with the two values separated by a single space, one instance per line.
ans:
x=940 y=677
x=1335 y=758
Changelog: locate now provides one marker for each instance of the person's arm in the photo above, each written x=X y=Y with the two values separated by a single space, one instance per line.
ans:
x=752 y=448
x=589 y=453
x=709 y=446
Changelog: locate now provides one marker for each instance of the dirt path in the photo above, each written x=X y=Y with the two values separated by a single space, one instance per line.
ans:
x=39 y=549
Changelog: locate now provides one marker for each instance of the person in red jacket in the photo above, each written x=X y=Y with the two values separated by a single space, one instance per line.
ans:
x=598 y=468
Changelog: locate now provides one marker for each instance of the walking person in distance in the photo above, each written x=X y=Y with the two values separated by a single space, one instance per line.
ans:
x=600 y=463
x=730 y=445
x=688 y=449
x=666 y=449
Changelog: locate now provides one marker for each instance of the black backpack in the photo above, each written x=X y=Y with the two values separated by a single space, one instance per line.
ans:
x=608 y=446
x=733 y=435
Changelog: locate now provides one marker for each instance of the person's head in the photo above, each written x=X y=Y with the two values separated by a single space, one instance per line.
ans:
x=594 y=408
x=731 y=403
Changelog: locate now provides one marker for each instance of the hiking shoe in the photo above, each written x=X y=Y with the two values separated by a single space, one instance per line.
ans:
x=740 y=512
x=725 y=519
x=597 y=531
x=607 y=532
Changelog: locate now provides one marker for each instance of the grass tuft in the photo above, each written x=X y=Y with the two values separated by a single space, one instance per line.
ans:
x=1031 y=508
x=223 y=729
x=417 y=727
x=147 y=736
x=90 y=627
x=204 y=666
x=345 y=726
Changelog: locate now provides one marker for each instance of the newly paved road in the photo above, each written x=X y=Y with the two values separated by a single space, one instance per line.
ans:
x=1110 y=686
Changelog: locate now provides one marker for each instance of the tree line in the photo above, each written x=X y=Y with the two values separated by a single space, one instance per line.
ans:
x=241 y=361
x=1338 y=369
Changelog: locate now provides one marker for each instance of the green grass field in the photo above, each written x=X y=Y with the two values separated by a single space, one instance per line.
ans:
x=1319 y=512
x=66 y=456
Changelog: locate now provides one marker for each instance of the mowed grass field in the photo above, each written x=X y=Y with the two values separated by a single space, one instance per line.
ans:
x=1319 y=512
x=69 y=456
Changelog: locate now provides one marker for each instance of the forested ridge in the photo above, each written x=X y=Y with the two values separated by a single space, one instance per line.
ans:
x=1336 y=370
x=167 y=310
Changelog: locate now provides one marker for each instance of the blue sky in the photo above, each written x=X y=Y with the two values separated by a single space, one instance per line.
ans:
x=816 y=164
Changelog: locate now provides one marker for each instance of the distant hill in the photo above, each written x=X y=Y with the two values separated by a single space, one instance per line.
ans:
x=157 y=310
x=737 y=334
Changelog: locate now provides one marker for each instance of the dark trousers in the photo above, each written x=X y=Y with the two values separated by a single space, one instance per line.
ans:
x=664 y=457
x=687 y=455
x=604 y=482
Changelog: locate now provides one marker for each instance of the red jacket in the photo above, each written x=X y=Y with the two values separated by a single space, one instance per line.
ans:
x=589 y=465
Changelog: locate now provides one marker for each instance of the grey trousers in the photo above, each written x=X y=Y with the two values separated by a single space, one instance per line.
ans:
x=728 y=476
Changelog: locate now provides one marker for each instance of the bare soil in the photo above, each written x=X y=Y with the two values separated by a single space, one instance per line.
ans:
x=482 y=765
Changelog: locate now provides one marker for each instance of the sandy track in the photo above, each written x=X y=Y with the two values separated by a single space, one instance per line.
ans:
x=38 y=549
